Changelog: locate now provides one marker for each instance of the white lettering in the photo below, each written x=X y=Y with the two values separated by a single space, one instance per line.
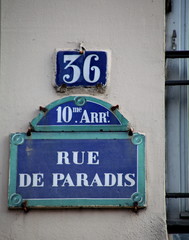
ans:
x=25 y=180
x=120 y=179
x=38 y=180
x=67 y=114
x=76 y=158
x=85 y=117
x=92 y=157
x=77 y=109
x=76 y=70
x=68 y=181
x=96 y=180
x=110 y=180
x=87 y=68
x=94 y=117
x=63 y=155
x=82 y=180
x=59 y=115
x=102 y=117
x=56 y=178
x=129 y=179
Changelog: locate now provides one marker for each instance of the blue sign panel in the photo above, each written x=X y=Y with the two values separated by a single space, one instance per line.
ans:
x=79 y=114
x=87 y=114
x=77 y=169
x=77 y=153
x=81 y=69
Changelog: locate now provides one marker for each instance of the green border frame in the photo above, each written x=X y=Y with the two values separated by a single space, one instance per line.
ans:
x=80 y=101
x=16 y=201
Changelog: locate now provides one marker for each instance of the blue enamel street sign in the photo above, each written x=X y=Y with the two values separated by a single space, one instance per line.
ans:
x=77 y=170
x=77 y=154
x=85 y=69
x=79 y=114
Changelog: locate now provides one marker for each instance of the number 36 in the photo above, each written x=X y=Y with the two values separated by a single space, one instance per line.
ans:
x=70 y=59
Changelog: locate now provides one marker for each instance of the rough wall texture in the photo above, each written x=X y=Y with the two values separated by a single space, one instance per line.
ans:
x=134 y=33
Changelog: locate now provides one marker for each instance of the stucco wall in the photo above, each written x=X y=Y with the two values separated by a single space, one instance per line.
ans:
x=134 y=33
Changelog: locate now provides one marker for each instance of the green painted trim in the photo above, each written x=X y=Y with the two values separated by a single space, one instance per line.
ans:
x=78 y=203
x=124 y=124
x=15 y=200
x=12 y=169
x=77 y=135
x=79 y=128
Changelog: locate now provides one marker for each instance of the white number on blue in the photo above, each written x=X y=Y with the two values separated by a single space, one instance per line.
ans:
x=77 y=71
x=87 y=68
x=64 y=114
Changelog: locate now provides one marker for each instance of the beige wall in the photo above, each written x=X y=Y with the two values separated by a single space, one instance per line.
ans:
x=133 y=31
